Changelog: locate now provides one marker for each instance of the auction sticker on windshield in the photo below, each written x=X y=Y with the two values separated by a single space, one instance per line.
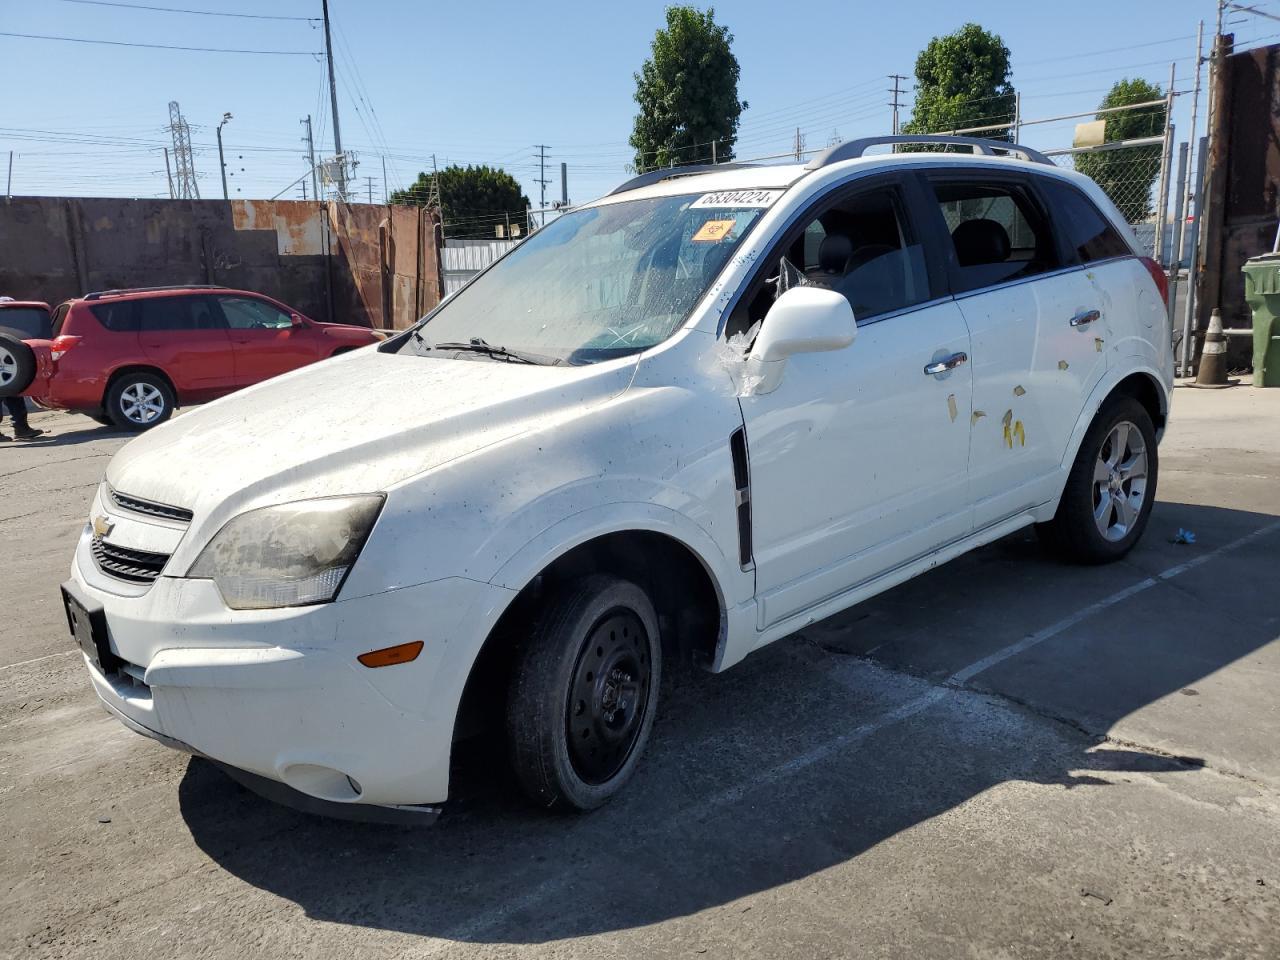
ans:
x=713 y=231
x=737 y=198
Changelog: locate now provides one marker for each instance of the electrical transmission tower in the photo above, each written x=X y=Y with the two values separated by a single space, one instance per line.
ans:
x=184 y=176
x=433 y=188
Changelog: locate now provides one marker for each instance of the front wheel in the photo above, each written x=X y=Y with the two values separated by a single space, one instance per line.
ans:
x=583 y=693
x=1108 y=495
x=138 y=401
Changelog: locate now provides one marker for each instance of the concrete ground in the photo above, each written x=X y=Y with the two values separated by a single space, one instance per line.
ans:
x=1007 y=757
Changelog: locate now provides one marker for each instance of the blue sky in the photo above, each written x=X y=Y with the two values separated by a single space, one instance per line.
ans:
x=479 y=81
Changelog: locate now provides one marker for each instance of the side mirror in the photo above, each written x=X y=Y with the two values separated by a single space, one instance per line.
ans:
x=295 y=319
x=803 y=320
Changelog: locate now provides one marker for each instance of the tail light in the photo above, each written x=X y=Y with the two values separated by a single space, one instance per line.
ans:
x=61 y=345
x=1159 y=276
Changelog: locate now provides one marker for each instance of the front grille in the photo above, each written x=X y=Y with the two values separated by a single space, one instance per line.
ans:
x=148 y=508
x=133 y=566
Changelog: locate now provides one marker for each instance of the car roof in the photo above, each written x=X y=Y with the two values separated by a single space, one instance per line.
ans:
x=29 y=304
x=744 y=176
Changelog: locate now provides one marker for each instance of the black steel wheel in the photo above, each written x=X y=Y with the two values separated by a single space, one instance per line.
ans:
x=609 y=697
x=583 y=693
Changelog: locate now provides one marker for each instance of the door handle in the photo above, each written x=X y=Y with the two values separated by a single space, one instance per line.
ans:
x=947 y=363
x=1086 y=317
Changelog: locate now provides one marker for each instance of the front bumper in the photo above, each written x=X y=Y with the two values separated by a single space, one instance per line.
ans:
x=279 y=696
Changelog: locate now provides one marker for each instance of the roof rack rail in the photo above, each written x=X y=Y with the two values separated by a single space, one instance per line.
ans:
x=853 y=149
x=667 y=173
x=99 y=294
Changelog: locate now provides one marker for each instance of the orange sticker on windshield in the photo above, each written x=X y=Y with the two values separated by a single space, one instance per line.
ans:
x=713 y=231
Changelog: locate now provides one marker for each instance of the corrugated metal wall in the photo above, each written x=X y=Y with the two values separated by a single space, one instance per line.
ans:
x=351 y=263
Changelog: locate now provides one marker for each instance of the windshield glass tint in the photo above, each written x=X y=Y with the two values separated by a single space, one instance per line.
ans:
x=598 y=283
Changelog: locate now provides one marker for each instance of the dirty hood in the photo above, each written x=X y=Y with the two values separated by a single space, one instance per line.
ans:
x=362 y=422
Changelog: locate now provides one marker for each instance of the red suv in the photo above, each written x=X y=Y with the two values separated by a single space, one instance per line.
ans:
x=129 y=357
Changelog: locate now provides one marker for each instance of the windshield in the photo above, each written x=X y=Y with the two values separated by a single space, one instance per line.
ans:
x=597 y=283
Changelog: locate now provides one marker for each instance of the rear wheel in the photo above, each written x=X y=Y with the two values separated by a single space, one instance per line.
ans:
x=17 y=364
x=1108 y=495
x=583 y=693
x=138 y=401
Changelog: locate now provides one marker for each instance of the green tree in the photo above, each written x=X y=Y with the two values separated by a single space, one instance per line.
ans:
x=687 y=92
x=473 y=200
x=962 y=80
x=1128 y=174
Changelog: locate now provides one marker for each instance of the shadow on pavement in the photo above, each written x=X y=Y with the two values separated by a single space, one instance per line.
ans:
x=758 y=777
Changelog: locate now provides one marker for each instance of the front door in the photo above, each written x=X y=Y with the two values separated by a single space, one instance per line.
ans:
x=858 y=458
x=265 y=340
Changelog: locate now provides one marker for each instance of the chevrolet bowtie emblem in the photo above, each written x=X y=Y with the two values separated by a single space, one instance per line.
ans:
x=102 y=526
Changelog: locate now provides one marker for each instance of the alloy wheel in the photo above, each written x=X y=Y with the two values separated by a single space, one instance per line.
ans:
x=8 y=367
x=1119 y=481
x=141 y=403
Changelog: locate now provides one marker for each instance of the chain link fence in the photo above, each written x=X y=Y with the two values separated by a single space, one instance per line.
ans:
x=1131 y=177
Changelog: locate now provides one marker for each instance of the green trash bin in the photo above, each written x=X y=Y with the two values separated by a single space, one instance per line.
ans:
x=1262 y=293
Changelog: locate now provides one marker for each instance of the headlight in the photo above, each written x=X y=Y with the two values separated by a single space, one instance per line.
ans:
x=288 y=555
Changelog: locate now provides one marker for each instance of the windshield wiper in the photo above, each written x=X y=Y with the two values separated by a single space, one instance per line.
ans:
x=479 y=345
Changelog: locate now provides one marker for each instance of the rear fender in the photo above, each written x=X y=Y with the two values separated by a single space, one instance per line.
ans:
x=39 y=385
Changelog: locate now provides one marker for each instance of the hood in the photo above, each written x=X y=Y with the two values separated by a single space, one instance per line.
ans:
x=359 y=423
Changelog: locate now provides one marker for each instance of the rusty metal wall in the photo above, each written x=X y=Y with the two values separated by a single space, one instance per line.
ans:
x=1243 y=180
x=359 y=263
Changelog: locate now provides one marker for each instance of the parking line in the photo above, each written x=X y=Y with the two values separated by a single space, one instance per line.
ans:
x=25 y=663
x=961 y=677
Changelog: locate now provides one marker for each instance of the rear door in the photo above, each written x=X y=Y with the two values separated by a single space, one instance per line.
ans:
x=185 y=337
x=1019 y=295
x=265 y=340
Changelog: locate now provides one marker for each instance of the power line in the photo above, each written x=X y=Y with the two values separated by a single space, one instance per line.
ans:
x=203 y=13
x=158 y=46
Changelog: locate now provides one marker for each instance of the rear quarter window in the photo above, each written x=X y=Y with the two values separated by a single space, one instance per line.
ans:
x=1087 y=234
x=118 y=316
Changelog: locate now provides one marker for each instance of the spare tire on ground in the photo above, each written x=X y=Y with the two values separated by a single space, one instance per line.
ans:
x=17 y=363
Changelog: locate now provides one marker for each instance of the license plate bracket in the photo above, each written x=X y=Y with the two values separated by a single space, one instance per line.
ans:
x=88 y=625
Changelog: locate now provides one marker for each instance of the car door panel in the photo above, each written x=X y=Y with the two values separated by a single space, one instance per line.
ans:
x=858 y=460
x=184 y=337
x=265 y=341
x=1031 y=370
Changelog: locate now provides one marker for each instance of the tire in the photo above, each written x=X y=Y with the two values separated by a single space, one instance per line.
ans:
x=575 y=732
x=17 y=363
x=1101 y=491
x=139 y=401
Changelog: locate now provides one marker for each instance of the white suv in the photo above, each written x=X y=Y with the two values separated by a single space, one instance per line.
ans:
x=681 y=421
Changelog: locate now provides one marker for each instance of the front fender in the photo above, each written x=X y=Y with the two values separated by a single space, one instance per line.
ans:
x=573 y=531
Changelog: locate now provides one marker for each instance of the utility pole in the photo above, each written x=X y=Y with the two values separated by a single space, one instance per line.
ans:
x=386 y=197
x=8 y=188
x=799 y=145
x=542 y=180
x=564 y=184
x=167 y=172
x=370 y=184
x=222 y=163
x=433 y=192
x=304 y=188
x=333 y=103
x=713 y=152
x=897 y=79
x=311 y=157
x=1189 y=296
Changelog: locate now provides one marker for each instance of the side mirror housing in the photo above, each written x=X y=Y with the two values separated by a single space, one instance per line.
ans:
x=803 y=320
